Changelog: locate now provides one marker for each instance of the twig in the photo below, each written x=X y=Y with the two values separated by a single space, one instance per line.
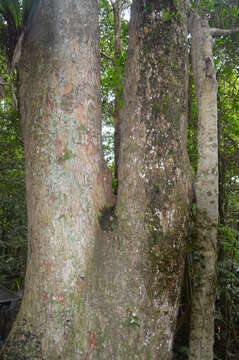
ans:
x=106 y=56
x=218 y=32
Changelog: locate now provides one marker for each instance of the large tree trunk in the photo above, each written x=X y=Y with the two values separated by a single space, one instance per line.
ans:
x=137 y=270
x=60 y=110
x=206 y=188
x=109 y=291
x=154 y=174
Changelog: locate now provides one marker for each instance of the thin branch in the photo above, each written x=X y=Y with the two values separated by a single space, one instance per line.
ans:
x=19 y=140
x=106 y=56
x=233 y=142
x=112 y=4
x=17 y=51
x=5 y=84
x=218 y=32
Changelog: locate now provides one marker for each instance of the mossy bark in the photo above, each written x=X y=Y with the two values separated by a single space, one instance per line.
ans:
x=61 y=122
x=103 y=284
x=135 y=279
x=206 y=188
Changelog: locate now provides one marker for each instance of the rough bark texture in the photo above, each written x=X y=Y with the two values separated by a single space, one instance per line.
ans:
x=206 y=188
x=135 y=279
x=154 y=175
x=109 y=291
x=60 y=110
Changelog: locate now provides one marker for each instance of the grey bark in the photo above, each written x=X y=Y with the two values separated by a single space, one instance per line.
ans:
x=206 y=188
x=137 y=270
x=140 y=293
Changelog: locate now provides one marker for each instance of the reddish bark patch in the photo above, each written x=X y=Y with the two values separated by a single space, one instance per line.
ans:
x=67 y=89
x=50 y=103
x=60 y=298
x=80 y=113
x=48 y=267
x=53 y=197
x=90 y=146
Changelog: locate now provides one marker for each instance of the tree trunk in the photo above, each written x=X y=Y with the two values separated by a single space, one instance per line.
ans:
x=109 y=291
x=206 y=188
x=137 y=270
x=61 y=123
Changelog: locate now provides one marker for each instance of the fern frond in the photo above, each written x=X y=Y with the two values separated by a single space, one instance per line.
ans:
x=29 y=9
x=15 y=17
x=11 y=11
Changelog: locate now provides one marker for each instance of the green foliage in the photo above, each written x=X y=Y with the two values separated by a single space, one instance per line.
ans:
x=112 y=72
x=221 y=14
x=13 y=221
x=227 y=301
x=111 y=167
x=225 y=14
x=133 y=320
x=167 y=15
x=17 y=13
x=107 y=51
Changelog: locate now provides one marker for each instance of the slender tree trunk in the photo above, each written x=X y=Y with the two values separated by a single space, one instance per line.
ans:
x=206 y=188
x=60 y=110
x=118 y=81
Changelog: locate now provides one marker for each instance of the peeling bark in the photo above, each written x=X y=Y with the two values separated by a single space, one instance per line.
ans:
x=206 y=188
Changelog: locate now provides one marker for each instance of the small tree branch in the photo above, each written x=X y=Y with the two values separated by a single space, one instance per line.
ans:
x=17 y=51
x=19 y=140
x=106 y=56
x=233 y=142
x=218 y=32
x=5 y=84
x=112 y=4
